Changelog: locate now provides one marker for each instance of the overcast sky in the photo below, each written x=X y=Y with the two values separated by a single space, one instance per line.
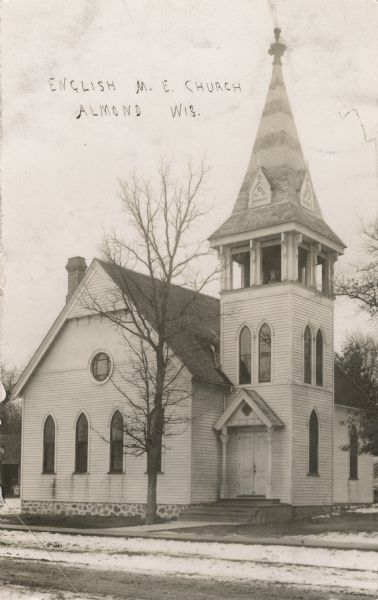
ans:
x=60 y=173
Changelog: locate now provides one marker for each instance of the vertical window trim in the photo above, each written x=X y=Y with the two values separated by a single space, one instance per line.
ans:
x=46 y=471
x=313 y=459
x=244 y=328
x=307 y=358
x=77 y=471
x=319 y=364
x=117 y=414
x=353 y=453
x=265 y=324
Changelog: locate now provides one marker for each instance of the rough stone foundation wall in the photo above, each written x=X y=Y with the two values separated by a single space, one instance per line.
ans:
x=95 y=509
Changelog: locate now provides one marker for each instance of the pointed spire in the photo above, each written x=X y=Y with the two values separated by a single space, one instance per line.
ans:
x=278 y=155
x=277 y=49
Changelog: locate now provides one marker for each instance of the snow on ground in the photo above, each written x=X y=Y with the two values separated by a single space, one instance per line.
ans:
x=11 y=506
x=366 y=509
x=17 y=592
x=346 y=569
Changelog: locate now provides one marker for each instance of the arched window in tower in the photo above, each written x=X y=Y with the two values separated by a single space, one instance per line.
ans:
x=265 y=353
x=313 y=445
x=307 y=355
x=353 y=453
x=116 y=443
x=245 y=341
x=319 y=358
x=49 y=446
x=81 y=445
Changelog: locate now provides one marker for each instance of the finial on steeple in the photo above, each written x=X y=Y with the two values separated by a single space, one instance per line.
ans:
x=277 y=49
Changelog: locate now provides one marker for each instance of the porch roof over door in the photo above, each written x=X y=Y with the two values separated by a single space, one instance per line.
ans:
x=258 y=407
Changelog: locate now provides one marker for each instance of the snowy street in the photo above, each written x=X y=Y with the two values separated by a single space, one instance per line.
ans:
x=318 y=569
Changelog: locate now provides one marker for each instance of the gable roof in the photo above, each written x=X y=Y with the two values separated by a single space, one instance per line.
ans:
x=191 y=336
x=193 y=325
x=256 y=403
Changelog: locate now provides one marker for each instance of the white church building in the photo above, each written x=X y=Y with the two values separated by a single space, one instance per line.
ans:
x=268 y=411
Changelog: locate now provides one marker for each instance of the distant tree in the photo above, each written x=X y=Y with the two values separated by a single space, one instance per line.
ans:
x=10 y=410
x=362 y=285
x=147 y=313
x=359 y=359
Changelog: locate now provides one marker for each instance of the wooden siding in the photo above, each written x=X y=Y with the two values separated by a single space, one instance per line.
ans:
x=346 y=490
x=207 y=406
x=63 y=387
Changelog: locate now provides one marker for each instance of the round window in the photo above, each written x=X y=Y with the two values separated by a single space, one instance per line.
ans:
x=101 y=366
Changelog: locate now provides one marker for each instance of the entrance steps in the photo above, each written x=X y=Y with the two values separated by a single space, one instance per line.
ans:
x=253 y=510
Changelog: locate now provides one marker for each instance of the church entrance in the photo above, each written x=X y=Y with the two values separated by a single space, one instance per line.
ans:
x=252 y=463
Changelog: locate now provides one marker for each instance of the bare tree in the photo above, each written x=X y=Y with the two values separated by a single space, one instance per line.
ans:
x=363 y=284
x=152 y=313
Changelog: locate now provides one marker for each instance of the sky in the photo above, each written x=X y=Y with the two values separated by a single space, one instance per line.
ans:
x=60 y=173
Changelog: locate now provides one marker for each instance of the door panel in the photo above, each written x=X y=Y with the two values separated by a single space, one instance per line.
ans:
x=251 y=463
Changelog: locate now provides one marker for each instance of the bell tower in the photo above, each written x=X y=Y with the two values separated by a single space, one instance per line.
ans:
x=277 y=255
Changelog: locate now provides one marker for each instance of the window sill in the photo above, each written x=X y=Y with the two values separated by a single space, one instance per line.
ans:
x=116 y=472
x=48 y=473
x=313 y=475
x=353 y=479
x=80 y=473
x=159 y=473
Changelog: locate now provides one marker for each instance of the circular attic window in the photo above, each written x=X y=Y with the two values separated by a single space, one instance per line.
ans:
x=101 y=366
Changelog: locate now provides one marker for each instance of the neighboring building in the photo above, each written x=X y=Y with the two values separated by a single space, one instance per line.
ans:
x=273 y=421
x=10 y=468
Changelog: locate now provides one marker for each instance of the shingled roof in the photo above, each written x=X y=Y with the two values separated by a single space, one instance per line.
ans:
x=278 y=152
x=193 y=325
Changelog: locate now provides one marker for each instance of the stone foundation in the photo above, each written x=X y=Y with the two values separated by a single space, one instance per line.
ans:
x=96 y=509
x=302 y=512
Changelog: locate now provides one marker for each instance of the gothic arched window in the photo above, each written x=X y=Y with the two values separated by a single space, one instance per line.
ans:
x=245 y=356
x=307 y=355
x=353 y=453
x=319 y=358
x=313 y=444
x=49 y=446
x=265 y=353
x=116 y=443
x=81 y=445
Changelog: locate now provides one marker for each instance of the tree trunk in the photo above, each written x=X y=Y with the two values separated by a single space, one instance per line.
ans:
x=151 y=497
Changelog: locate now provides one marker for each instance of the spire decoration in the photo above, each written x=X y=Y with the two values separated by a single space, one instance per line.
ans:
x=277 y=49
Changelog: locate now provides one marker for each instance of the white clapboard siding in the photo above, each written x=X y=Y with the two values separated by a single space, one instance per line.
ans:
x=251 y=307
x=63 y=387
x=207 y=405
x=346 y=490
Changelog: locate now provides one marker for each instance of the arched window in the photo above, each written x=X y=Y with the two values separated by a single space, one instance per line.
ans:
x=353 y=453
x=265 y=353
x=116 y=443
x=319 y=358
x=49 y=445
x=313 y=445
x=245 y=356
x=307 y=355
x=81 y=448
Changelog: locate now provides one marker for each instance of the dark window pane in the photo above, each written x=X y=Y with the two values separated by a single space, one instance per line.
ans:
x=271 y=264
x=49 y=446
x=116 y=443
x=101 y=366
x=241 y=270
x=353 y=453
x=302 y=265
x=245 y=356
x=319 y=358
x=81 y=453
x=265 y=353
x=307 y=355
x=313 y=444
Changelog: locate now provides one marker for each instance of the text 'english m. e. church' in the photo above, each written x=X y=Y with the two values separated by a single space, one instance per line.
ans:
x=268 y=426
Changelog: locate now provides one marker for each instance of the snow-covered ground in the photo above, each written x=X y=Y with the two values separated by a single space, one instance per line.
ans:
x=316 y=567
x=17 y=592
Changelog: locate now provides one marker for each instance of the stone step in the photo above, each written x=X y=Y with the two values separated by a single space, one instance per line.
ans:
x=245 y=514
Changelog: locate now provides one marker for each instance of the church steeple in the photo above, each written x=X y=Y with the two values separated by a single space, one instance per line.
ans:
x=277 y=186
